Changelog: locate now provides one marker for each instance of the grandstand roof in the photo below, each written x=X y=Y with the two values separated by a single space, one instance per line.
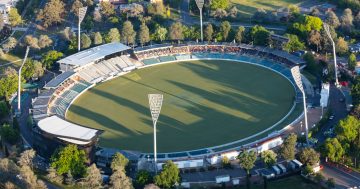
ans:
x=59 y=79
x=93 y=54
x=67 y=131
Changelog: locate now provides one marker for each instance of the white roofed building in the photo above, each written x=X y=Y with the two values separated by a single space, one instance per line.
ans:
x=92 y=55
x=53 y=132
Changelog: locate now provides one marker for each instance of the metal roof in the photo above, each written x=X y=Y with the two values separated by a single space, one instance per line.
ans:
x=93 y=54
x=67 y=130
x=59 y=79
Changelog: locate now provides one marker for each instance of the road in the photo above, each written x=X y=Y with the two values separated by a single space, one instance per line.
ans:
x=338 y=109
x=343 y=178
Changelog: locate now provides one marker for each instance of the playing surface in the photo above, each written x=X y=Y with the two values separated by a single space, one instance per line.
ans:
x=206 y=103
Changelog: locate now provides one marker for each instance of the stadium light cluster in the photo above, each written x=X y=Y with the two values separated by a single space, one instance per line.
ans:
x=155 y=102
x=295 y=71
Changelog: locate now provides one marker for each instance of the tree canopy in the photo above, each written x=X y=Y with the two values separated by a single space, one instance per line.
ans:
x=69 y=159
x=287 y=150
x=168 y=176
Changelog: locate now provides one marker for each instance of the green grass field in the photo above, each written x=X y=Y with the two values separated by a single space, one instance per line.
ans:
x=248 y=7
x=206 y=103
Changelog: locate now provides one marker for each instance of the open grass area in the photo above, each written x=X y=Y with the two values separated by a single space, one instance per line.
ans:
x=206 y=103
x=293 y=182
x=248 y=7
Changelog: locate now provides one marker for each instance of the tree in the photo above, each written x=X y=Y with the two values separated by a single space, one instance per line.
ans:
x=50 y=58
x=32 y=41
x=160 y=33
x=352 y=62
x=309 y=156
x=260 y=35
x=287 y=150
x=14 y=17
x=357 y=21
x=240 y=34
x=219 y=4
x=9 y=85
x=67 y=34
x=333 y=149
x=93 y=177
x=77 y=4
x=319 y=178
x=107 y=8
x=225 y=28
x=332 y=19
x=341 y=46
x=119 y=161
x=268 y=157
x=315 y=39
x=69 y=179
x=294 y=44
x=347 y=20
x=2 y=24
x=144 y=34
x=219 y=13
x=53 y=176
x=176 y=31
x=9 y=134
x=208 y=32
x=112 y=36
x=4 y=109
x=52 y=13
x=38 y=69
x=247 y=161
x=233 y=12
x=330 y=183
x=97 y=38
x=8 y=170
x=134 y=11
x=97 y=16
x=143 y=177
x=119 y=180
x=315 y=12
x=85 y=41
x=347 y=129
x=26 y=158
x=30 y=178
x=69 y=158
x=44 y=41
x=168 y=176
x=10 y=44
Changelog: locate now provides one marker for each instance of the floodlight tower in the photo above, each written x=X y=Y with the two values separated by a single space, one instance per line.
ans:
x=19 y=80
x=200 y=5
x=295 y=71
x=327 y=30
x=155 y=102
x=82 y=12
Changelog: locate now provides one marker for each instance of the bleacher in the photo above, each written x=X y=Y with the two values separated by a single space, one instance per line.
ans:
x=62 y=102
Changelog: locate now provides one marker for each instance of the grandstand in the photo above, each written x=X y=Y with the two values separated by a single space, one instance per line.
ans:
x=85 y=69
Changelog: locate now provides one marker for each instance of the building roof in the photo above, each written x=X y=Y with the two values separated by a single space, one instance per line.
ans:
x=66 y=130
x=59 y=79
x=93 y=54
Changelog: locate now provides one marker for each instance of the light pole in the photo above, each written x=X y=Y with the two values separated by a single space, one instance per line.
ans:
x=155 y=102
x=19 y=80
x=295 y=71
x=200 y=5
x=327 y=30
x=82 y=12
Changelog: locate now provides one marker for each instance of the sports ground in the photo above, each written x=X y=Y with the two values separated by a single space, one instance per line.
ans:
x=206 y=103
